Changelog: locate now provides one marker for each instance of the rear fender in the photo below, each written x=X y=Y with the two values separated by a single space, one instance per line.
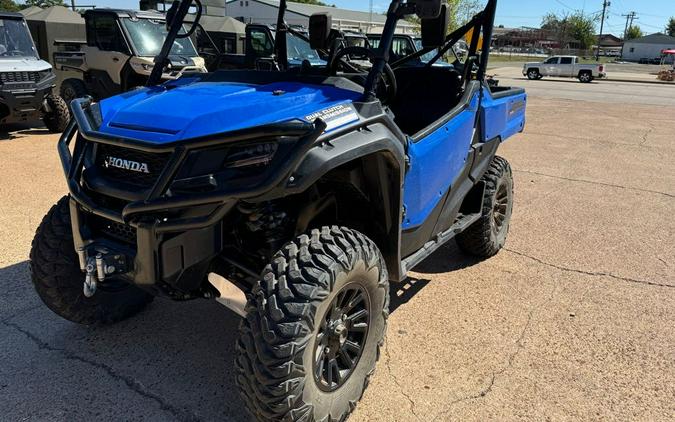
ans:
x=502 y=113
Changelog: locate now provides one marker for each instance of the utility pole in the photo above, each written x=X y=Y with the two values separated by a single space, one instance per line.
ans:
x=72 y=3
x=629 y=24
x=370 y=24
x=605 y=5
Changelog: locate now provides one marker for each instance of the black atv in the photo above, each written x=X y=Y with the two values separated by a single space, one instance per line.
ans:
x=293 y=197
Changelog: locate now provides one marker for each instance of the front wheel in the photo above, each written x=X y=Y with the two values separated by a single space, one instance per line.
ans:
x=56 y=275
x=72 y=89
x=315 y=326
x=487 y=236
x=58 y=116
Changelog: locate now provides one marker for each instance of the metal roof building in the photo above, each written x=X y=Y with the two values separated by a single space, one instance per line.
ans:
x=648 y=47
x=265 y=12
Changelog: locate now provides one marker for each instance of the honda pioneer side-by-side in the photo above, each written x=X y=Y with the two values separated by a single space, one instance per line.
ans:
x=119 y=54
x=293 y=197
x=26 y=82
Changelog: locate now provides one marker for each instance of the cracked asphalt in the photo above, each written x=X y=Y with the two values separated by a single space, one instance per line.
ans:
x=573 y=320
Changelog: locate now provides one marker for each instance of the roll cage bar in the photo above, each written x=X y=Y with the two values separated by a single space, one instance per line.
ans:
x=482 y=22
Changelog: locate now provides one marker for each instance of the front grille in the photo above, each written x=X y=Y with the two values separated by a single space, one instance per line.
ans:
x=11 y=77
x=130 y=166
x=102 y=227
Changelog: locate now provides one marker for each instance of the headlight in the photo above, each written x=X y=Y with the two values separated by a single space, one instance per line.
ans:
x=44 y=74
x=254 y=156
x=210 y=168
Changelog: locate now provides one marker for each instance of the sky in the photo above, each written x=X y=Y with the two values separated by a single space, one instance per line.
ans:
x=652 y=14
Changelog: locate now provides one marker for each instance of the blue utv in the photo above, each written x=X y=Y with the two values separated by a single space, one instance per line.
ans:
x=291 y=196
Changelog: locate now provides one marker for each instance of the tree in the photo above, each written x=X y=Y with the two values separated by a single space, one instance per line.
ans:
x=316 y=2
x=9 y=6
x=670 y=28
x=567 y=28
x=634 y=32
x=44 y=3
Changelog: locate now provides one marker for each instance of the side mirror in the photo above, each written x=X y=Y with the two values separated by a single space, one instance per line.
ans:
x=428 y=9
x=434 y=30
x=320 y=25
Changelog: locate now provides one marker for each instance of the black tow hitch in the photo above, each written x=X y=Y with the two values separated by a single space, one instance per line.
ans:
x=99 y=266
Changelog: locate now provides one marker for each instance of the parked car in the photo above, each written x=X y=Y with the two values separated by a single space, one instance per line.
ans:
x=26 y=81
x=564 y=67
x=119 y=53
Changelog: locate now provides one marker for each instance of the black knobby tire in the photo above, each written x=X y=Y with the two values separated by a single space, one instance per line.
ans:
x=487 y=236
x=72 y=89
x=533 y=74
x=56 y=275
x=280 y=340
x=58 y=118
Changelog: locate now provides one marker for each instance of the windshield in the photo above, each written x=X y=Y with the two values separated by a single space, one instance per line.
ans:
x=299 y=49
x=148 y=35
x=427 y=57
x=355 y=41
x=15 y=40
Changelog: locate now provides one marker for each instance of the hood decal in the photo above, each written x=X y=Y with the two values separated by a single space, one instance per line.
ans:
x=336 y=116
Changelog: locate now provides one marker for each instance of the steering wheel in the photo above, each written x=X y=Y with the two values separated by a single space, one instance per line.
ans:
x=12 y=53
x=388 y=78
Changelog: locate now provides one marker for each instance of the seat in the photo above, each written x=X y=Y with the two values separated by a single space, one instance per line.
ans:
x=425 y=94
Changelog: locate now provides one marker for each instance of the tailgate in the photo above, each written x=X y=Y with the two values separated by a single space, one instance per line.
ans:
x=502 y=112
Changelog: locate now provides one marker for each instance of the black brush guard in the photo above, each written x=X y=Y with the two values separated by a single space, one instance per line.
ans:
x=151 y=268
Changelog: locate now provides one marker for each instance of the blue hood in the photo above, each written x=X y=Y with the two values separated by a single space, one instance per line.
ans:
x=188 y=109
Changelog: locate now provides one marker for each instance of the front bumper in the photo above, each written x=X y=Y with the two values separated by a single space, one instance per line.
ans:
x=24 y=101
x=175 y=236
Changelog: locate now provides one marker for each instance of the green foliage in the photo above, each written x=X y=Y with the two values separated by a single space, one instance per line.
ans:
x=44 y=3
x=670 y=28
x=316 y=2
x=462 y=10
x=634 y=32
x=568 y=28
x=9 y=6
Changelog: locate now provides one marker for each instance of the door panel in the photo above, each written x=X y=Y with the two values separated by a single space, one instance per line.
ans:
x=436 y=160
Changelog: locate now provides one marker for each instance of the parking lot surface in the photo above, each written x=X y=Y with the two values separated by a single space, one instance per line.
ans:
x=574 y=320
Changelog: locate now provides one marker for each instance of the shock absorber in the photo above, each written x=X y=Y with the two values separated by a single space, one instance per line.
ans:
x=267 y=223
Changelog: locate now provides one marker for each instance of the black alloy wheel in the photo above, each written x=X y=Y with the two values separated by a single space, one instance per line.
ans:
x=341 y=338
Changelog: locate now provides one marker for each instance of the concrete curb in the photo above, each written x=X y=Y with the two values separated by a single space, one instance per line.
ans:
x=646 y=81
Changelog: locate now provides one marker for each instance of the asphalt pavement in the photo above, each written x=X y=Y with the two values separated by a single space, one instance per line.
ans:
x=573 y=320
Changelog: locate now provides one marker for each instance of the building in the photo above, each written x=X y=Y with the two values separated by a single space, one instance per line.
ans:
x=609 y=44
x=266 y=11
x=649 y=47
x=532 y=38
x=211 y=7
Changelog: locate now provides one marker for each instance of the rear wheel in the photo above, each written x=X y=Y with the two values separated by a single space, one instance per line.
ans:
x=487 y=236
x=533 y=74
x=585 y=77
x=315 y=326
x=72 y=89
x=56 y=275
x=58 y=116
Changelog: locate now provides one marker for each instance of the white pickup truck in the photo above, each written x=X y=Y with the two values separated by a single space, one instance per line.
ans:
x=564 y=67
